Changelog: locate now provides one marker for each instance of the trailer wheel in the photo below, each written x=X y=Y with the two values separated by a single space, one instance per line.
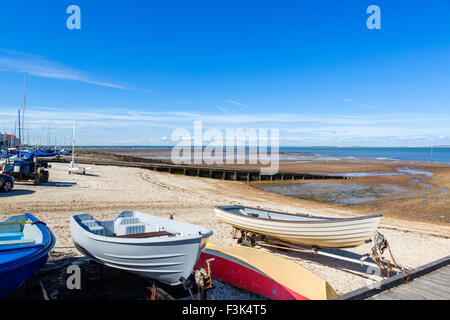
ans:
x=38 y=179
x=45 y=176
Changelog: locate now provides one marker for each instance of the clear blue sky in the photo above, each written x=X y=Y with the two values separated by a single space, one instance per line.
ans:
x=137 y=70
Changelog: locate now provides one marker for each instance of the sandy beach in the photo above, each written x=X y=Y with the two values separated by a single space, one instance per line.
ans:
x=107 y=190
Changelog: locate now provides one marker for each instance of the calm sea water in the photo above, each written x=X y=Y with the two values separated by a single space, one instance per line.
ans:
x=292 y=153
x=409 y=154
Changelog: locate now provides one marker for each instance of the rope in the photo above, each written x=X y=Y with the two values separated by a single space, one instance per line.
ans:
x=381 y=244
x=15 y=223
x=22 y=223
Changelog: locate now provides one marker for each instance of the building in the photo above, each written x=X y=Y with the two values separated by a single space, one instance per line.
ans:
x=8 y=140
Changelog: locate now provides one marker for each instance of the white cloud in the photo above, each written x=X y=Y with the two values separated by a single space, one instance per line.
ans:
x=40 y=66
x=222 y=109
x=237 y=103
x=105 y=126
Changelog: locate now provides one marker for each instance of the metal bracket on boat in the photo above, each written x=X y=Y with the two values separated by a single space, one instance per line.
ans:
x=247 y=238
x=153 y=292
x=203 y=279
x=187 y=285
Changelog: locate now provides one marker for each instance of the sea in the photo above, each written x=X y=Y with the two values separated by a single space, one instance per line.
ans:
x=437 y=154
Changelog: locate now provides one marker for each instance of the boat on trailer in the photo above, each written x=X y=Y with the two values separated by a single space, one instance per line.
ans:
x=74 y=168
x=24 y=246
x=320 y=232
x=154 y=247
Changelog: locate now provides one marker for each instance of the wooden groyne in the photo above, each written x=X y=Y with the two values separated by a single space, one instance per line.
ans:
x=209 y=172
x=428 y=282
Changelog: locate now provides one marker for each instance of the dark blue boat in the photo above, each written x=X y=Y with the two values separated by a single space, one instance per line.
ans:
x=24 y=246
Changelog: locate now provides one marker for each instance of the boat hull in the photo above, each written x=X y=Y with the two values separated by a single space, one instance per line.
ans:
x=263 y=273
x=321 y=233
x=166 y=261
x=13 y=279
x=19 y=263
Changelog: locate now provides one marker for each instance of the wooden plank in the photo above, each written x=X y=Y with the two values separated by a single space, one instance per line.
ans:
x=439 y=277
x=397 y=280
x=146 y=235
x=408 y=293
x=444 y=287
x=445 y=270
x=425 y=294
x=438 y=283
x=385 y=296
x=423 y=284
x=397 y=294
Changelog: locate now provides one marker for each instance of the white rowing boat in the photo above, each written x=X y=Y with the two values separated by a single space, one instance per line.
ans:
x=158 y=248
x=318 y=232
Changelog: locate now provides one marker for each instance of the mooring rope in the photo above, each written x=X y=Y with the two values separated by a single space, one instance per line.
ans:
x=380 y=245
x=21 y=223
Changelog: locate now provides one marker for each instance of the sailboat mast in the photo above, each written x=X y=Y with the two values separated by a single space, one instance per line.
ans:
x=20 y=138
x=24 y=103
x=73 y=142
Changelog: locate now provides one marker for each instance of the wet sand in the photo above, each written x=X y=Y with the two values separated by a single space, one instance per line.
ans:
x=107 y=190
x=405 y=189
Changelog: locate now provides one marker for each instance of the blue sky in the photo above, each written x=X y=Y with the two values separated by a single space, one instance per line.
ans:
x=138 y=70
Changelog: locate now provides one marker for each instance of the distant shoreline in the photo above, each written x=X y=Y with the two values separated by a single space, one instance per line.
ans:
x=305 y=147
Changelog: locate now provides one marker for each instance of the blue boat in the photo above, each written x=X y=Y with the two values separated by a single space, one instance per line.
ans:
x=24 y=246
x=40 y=154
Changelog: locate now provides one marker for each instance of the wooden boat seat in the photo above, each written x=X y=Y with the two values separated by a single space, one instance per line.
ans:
x=146 y=235
x=94 y=227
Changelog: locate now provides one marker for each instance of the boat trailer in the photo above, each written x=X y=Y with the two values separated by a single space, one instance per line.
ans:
x=252 y=239
x=25 y=170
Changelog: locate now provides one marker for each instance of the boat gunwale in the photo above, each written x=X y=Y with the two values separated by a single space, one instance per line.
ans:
x=324 y=219
x=41 y=249
x=141 y=241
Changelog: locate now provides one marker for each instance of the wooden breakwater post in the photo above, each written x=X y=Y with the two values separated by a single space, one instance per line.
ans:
x=211 y=172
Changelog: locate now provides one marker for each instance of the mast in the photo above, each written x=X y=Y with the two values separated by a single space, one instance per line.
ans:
x=20 y=139
x=24 y=102
x=73 y=143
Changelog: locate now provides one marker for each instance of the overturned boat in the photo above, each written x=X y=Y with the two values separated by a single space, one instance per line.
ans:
x=317 y=232
x=158 y=248
x=263 y=273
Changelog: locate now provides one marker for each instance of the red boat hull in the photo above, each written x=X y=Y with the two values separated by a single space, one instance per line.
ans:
x=242 y=276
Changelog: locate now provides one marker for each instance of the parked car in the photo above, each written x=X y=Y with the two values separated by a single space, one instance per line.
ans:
x=6 y=182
